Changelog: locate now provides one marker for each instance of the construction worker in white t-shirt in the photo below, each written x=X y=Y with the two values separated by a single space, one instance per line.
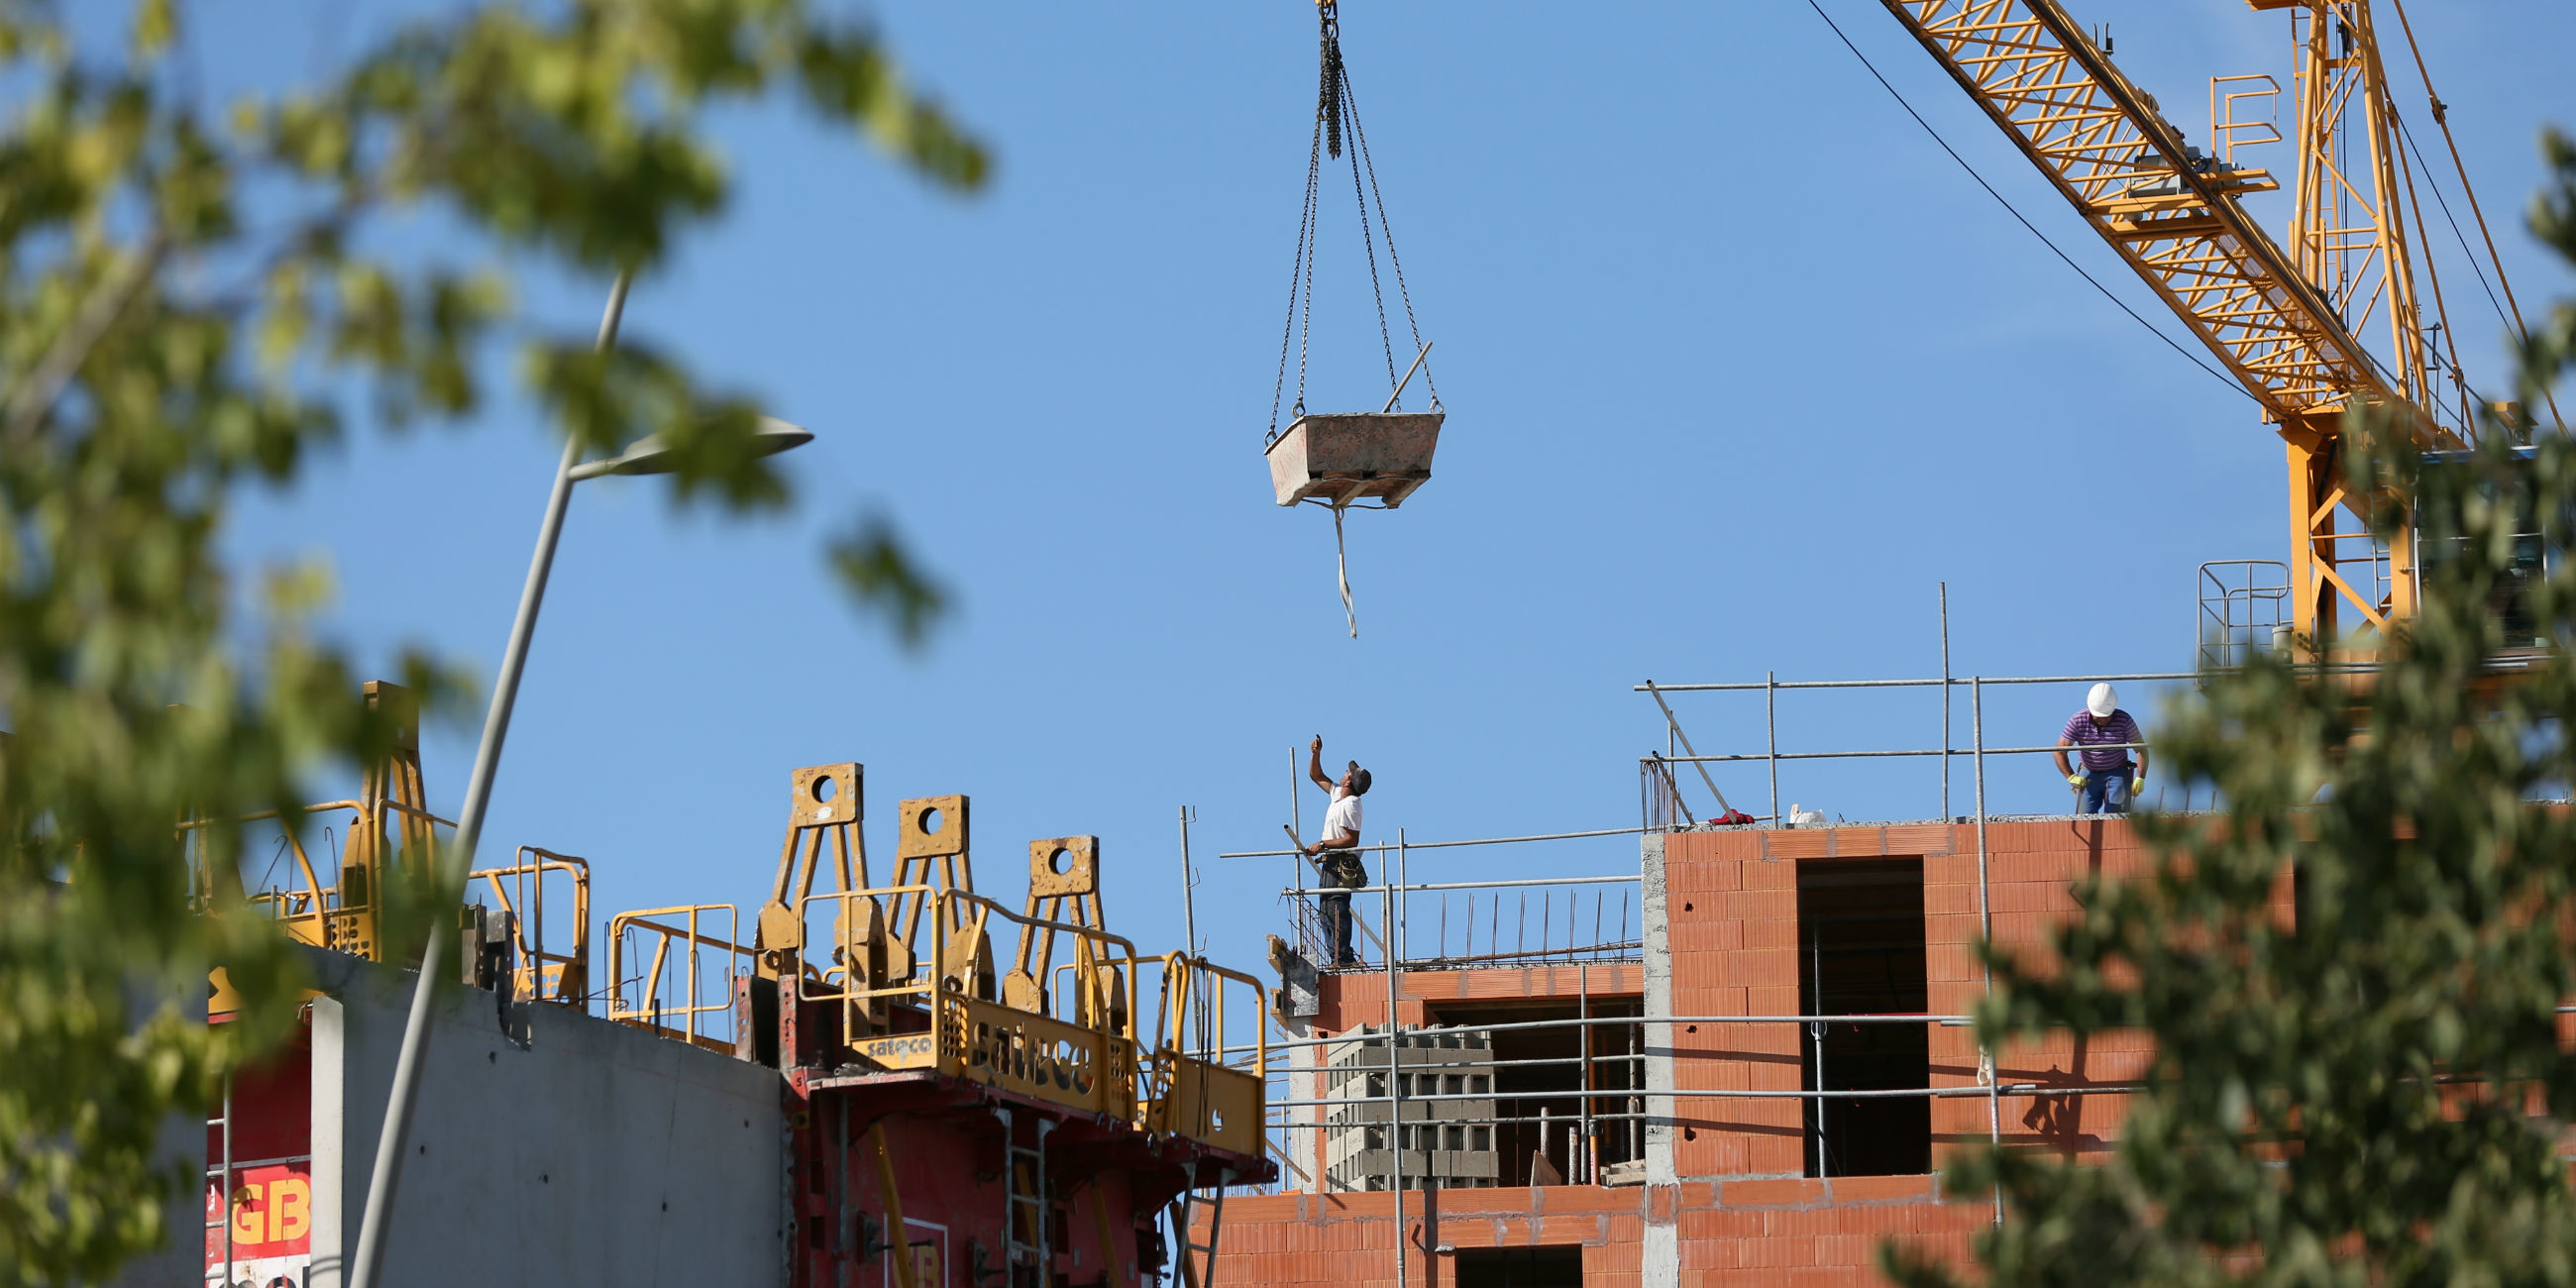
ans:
x=1334 y=853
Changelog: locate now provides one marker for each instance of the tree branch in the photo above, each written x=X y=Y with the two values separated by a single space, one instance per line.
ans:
x=35 y=396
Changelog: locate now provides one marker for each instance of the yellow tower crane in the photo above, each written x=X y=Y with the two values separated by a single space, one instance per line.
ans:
x=2286 y=321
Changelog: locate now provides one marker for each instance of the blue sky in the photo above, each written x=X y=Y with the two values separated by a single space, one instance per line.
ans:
x=1738 y=368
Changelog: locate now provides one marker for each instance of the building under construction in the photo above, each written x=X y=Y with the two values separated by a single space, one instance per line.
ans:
x=1758 y=1082
x=1743 y=1062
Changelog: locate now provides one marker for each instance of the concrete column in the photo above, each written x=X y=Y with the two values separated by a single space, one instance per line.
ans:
x=335 y=1222
x=1305 y=1082
x=1662 y=1253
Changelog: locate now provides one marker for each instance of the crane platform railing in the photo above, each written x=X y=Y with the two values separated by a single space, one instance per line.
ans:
x=542 y=973
x=1079 y=1053
x=1188 y=1088
x=337 y=913
x=681 y=985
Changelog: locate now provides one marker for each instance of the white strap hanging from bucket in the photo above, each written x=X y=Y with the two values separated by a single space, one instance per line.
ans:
x=1342 y=569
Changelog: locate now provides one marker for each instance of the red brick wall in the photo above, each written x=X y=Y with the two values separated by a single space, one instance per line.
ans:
x=1788 y=1233
x=1731 y=905
x=1349 y=1000
x=1743 y=1215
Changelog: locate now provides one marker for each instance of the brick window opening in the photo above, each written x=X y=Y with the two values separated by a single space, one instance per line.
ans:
x=1861 y=952
x=1538 y=1078
x=1520 y=1267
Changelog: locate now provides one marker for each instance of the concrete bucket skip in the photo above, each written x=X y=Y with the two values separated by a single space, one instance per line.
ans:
x=1337 y=459
x=1342 y=459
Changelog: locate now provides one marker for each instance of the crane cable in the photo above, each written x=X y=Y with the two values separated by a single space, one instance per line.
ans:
x=2441 y=113
x=1337 y=131
x=2188 y=356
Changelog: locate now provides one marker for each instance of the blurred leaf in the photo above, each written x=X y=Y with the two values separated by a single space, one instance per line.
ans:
x=870 y=560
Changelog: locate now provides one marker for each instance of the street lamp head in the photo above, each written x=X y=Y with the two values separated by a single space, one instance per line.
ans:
x=650 y=455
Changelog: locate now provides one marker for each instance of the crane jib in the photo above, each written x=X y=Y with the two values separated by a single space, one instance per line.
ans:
x=2171 y=215
x=2284 y=316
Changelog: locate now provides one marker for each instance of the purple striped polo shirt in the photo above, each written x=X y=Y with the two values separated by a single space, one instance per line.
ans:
x=2084 y=733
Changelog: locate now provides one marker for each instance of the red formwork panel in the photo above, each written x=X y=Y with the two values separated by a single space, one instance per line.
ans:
x=943 y=1142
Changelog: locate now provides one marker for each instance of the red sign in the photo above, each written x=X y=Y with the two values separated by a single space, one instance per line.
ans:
x=271 y=1221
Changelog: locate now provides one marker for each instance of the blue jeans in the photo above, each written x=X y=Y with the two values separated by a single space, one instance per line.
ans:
x=1337 y=931
x=2106 y=791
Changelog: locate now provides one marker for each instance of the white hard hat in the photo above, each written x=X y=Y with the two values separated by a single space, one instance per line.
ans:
x=2102 y=701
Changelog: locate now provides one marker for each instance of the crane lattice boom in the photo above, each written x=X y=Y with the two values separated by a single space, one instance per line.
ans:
x=2284 y=322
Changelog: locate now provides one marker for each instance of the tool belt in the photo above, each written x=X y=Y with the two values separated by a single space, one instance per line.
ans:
x=1343 y=870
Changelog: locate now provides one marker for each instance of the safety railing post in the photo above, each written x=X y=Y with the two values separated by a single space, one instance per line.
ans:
x=690 y=954
x=1945 y=700
x=1771 y=732
x=1986 y=928
x=1394 y=1068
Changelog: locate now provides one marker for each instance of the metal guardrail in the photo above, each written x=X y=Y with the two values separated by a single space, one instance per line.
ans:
x=539 y=972
x=667 y=993
x=1656 y=773
x=1307 y=922
x=1081 y=1049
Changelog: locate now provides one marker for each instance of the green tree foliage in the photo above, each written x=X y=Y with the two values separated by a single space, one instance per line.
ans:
x=185 y=300
x=2378 y=1095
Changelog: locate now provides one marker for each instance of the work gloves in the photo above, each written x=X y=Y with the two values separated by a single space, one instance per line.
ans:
x=2136 y=785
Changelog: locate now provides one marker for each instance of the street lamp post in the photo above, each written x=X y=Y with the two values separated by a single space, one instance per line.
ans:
x=645 y=456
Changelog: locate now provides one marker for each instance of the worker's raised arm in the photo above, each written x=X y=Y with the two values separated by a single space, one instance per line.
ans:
x=1315 y=765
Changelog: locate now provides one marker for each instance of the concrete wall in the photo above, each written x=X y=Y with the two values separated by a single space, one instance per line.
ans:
x=573 y=1151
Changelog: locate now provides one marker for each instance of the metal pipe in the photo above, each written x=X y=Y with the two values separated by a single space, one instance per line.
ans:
x=405 y=1096
x=1637 y=1105
x=228 y=1181
x=2019 y=1089
x=1451 y=845
x=1394 y=1068
x=1945 y=700
x=1771 y=730
x=1986 y=928
x=1392 y=398
x=1296 y=823
x=1476 y=885
x=1189 y=885
x=1946 y=1021
x=1747 y=686
x=1583 y=1011
x=1861 y=755
x=1816 y=1036
x=1673 y=729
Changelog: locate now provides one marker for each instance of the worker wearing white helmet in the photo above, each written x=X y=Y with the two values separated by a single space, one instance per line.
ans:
x=2109 y=780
